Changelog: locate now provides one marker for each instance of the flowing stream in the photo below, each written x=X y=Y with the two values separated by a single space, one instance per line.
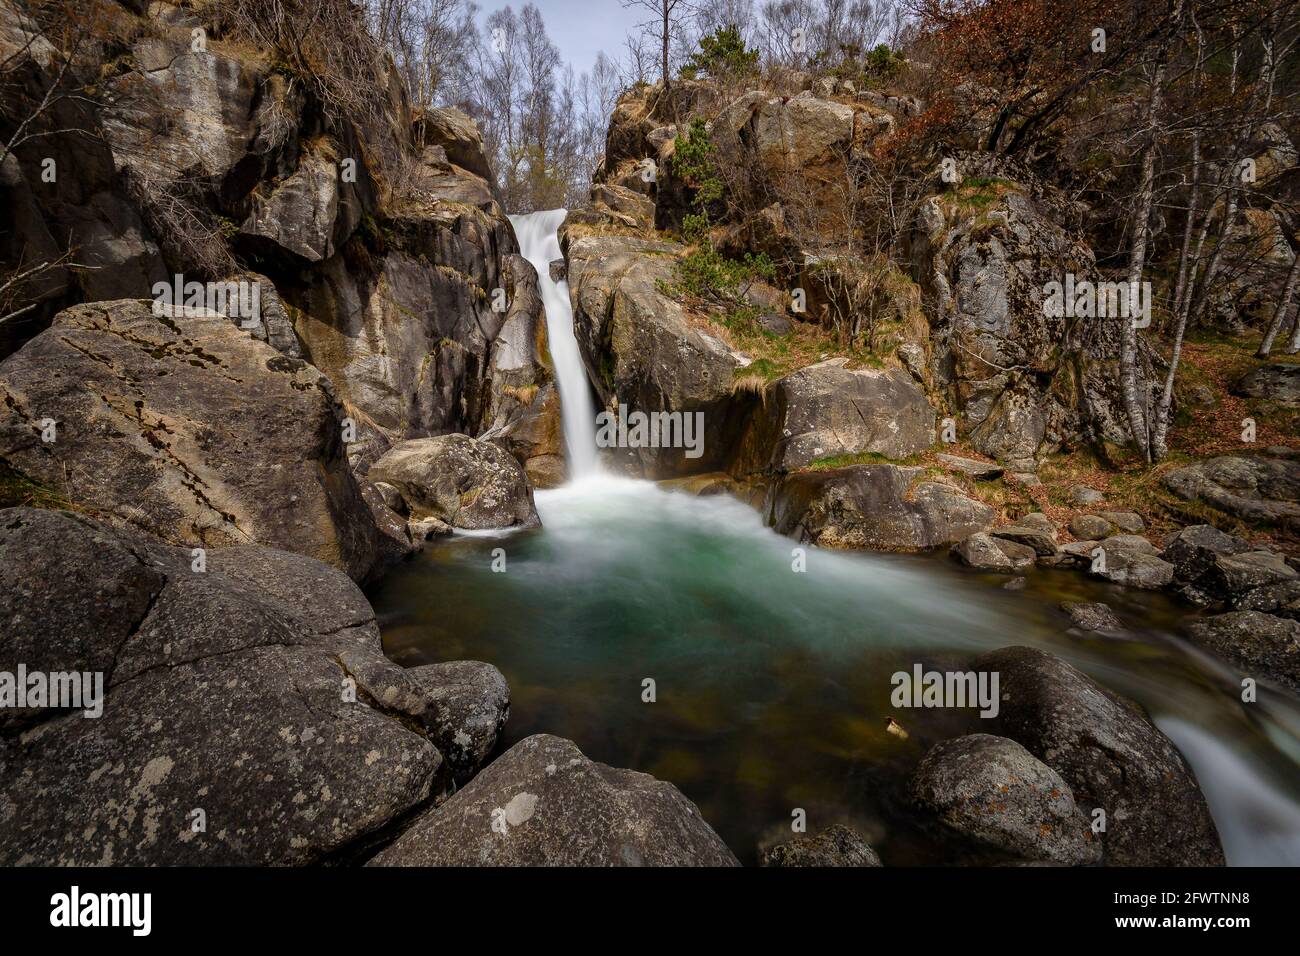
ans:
x=772 y=687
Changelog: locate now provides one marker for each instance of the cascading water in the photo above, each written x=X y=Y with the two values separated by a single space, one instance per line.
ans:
x=772 y=686
x=539 y=243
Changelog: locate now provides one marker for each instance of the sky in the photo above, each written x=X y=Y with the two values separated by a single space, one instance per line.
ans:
x=582 y=28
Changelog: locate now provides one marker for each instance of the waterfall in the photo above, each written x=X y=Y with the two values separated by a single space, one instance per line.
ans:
x=540 y=245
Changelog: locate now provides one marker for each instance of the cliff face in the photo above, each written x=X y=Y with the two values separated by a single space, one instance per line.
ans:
x=387 y=274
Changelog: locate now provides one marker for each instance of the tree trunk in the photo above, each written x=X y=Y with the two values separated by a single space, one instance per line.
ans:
x=1283 y=309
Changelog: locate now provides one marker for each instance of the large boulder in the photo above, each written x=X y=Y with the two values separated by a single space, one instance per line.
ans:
x=826 y=410
x=1111 y=755
x=457 y=134
x=467 y=483
x=1261 y=645
x=249 y=716
x=642 y=352
x=184 y=426
x=543 y=803
x=993 y=791
x=875 y=507
x=1261 y=490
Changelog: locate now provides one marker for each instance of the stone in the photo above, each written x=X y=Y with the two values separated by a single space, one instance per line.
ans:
x=1083 y=495
x=979 y=470
x=1193 y=550
x=187 y=428
x=1112 y=757
x=987 y=553
x=467 y=483
x=1133 y=568
x=837 y=845
x=994 y=791
x=1281 y=598
x=543 y=803
x=1259 y=644
x=1089 y=527
x=1124 y=520
x=467 y=706
x=1092 y=616
x=1129 y=542
x=255 y=691
x=1278 y=381
x=875 y=507
x=1031 y=533
x=1265 y=491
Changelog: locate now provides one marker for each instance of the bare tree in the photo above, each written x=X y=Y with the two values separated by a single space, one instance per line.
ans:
x=667 y=22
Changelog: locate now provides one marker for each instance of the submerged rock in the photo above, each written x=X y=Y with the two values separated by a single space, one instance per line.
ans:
x=1260 y=644
x=467 y=483
x=542 y=803
x=837 y=845
x=1111 y=755
x=876 y=507
x=994 y=791
x=1093 y=616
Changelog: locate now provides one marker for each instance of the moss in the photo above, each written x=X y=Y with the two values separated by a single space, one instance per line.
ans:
x=17 y=489
x=862 y=458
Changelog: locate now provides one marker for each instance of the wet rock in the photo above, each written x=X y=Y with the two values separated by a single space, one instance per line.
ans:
x=1132 y=568
x=1033 y=531
x=542 y=803
x=186 y=427
x=559 y=270
x=1092 y=616
x=1112 y=757
x=1259 y=644
x=466 y=483
x=979 y=470
x=992 y=790
x=1279 y=381
x=1016 y=584
x=468 y=703
x=876 y=507
x=255 y=692
x=987 y=553
x=1257 y=489
x=826 y=410
x=1089 y=527
x=837 y=845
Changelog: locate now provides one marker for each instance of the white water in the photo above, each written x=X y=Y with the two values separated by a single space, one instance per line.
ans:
x=539 y=243
x=687 y=559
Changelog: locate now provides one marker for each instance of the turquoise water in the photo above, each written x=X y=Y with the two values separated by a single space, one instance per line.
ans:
x=772 y=686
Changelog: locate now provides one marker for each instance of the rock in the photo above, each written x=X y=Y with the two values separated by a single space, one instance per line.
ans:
x=1026 y=478
x=466 y=483
x=1235 y=574
x=391 y=497
x=1281 y=598
x=1089 y=527
x=187 y=428
x=912 y=355
x=1262 y=490
x=1129 y=542
x=775 y=324
x=837 y=845
x=1259 y=644
x=457 y=134
x=877 y=507
x=826 y=411
x=1015 y=584
x=426 y=529
x=1079 y=552
x=1193 y=550
x=1032 y=533
x=987 y=553
x=308 y=213
x=1112 y=757
x=1083 y=495
x=1093 y=617
x=542 y=803
x=559 y=270
x=255 y=691
x=1279 y=381
x=468 y=703
x=1133 y=568
x=992 y=790
x=979 y=470
x=639 y=207
x=1124 y=520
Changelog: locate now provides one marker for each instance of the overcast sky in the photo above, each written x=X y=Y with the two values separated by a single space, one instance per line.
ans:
x=582 y=28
